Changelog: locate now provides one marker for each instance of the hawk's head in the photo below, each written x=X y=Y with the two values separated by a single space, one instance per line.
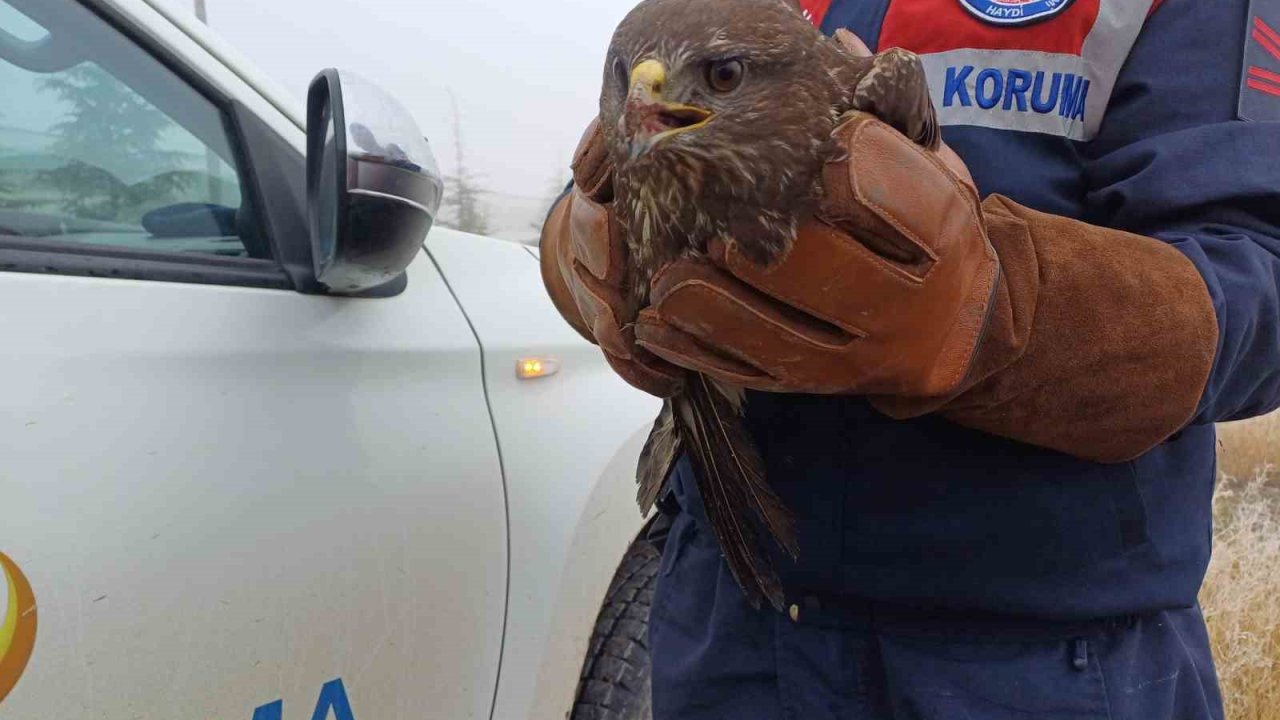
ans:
x=704 y=75
x=710 y=106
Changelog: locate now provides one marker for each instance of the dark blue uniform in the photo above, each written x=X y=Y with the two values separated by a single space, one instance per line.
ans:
x=950 y=574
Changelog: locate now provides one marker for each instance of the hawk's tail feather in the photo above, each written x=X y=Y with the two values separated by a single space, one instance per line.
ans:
x=731 y=479
x=658 y=457
x=738 y=444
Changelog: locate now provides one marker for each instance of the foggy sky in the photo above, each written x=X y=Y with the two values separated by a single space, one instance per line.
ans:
x=526 y=74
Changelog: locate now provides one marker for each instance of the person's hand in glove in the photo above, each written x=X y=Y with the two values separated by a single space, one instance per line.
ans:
x=584 y=264
x=904 y=288
x=886 y=292
x=907 y=289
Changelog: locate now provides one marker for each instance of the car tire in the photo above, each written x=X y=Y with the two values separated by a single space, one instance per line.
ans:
x=616 y=679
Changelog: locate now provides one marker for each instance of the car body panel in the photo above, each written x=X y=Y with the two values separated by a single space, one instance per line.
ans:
x=603 y=531
x=570 y=475
x=225 y=496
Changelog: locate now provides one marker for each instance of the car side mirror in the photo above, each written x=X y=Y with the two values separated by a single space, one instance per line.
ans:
x=373 y=186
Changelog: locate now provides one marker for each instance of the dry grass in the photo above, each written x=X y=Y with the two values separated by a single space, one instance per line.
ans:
x=1241 y=597
x=1246 y=447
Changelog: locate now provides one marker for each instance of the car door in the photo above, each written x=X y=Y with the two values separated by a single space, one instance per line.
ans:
x=231 y=496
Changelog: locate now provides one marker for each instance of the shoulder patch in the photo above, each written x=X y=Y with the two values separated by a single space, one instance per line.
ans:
x=1014 y=12
x=1260 y=74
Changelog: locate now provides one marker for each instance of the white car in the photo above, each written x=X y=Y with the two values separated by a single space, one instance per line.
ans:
x=263 y=455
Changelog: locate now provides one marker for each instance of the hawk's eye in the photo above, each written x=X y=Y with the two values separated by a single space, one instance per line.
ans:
x=725 y=75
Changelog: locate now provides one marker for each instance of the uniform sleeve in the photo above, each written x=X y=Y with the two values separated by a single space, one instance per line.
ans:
x=1173 y=162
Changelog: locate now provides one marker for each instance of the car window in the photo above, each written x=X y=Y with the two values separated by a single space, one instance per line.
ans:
x=101 y=144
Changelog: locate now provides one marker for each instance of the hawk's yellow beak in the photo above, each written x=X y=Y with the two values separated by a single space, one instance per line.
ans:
x=648 y=118
x=648 y=76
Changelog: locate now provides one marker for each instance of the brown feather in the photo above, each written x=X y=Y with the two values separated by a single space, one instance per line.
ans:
x=706 y=419
x=658 y=457
x=727 y=466
x=896 y=90
x=732 y=438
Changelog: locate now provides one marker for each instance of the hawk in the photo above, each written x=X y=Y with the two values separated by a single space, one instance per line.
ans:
x=718 y=117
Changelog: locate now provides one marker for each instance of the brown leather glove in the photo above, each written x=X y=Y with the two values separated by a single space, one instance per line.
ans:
x=899 y=313
x=1044 y=329
x=584 y=261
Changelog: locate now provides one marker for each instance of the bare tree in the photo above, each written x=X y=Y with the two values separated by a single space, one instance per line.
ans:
x=463 y=192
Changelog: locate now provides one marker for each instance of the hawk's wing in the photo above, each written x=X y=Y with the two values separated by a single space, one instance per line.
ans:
x=894 y=88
